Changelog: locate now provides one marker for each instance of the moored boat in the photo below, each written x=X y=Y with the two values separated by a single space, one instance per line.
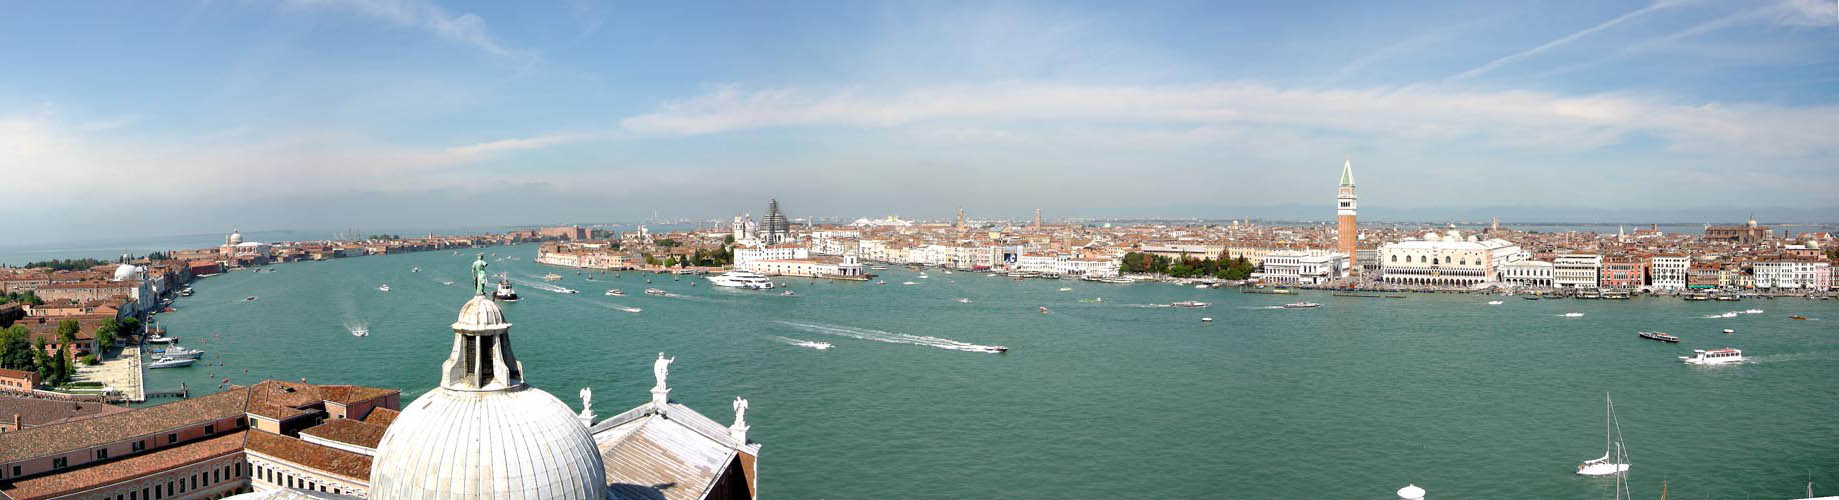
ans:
x=383 y=287
x=1608 y=464
x=160 y=339
x=1301 y=305
x=1660 y=336
x=164 y=362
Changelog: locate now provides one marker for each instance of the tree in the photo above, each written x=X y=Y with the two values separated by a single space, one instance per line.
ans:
x=16 y=348
x=130 y=326
x=67 y=331
x=105 y=334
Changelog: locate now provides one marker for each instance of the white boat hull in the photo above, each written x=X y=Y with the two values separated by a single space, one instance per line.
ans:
x=1601 y=469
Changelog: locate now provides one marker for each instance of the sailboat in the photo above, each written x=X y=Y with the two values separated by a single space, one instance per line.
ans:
x=1607 y=465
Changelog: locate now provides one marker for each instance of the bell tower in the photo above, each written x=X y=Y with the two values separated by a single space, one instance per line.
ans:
x=1346 y=231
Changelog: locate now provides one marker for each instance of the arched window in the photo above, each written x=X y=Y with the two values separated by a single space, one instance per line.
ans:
x=1395 y=258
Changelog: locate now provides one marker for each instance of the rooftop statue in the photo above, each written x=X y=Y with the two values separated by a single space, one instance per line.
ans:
x=740 y=412
x=479 y=278
x=661 y=368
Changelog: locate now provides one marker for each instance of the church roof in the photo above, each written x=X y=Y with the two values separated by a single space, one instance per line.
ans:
x=645 y=448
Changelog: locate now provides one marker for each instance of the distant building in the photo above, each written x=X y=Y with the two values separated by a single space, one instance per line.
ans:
x=1670 y=271
x=1301 y=268
x=1346 y=230
x=1788 y=274
x=845 y=267
x=1745 y=234
x=1577 y=271
x=774 y=227
x=1623 y=272
x=571 y=233
x=1528 y=273
x=1446 y=260
x=16 y=381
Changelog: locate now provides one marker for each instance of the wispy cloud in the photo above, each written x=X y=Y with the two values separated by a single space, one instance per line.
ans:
x=1510 y=119
x=466 y=29
x=520 y=144
x=1561 y=41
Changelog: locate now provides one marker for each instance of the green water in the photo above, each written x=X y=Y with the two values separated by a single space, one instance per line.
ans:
x=1100 y=399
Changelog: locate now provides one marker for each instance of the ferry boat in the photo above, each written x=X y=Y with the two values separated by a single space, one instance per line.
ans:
x=1697 y=297
x=1713 y=357
x=1190 y=304
x=615 y=293
x=504 y=292
x=170 y=362
x=748 y=280
x=552 y=277
x=1728 y=298
x=384 y=287
x=1617 y=295
x=1660 y=336
x=654 y=291
x=1301 y=305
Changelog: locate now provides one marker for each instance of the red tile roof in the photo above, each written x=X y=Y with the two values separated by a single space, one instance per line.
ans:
x=318 y=457
x=114 y=471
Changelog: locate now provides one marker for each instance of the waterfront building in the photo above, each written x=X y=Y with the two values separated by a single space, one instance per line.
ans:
x=774 y=227
x=1446 y=260
x=1624 y=272
x=1790 y=274
x=1528 y=273
x=1706 y=274
x=585 y=256
x=1301 y=268
x=1670 y=271
x=571 y=233
x=1577 y=270
x=1346 y=232
x=844 y=267
x=745 y=256
x=1749 y=233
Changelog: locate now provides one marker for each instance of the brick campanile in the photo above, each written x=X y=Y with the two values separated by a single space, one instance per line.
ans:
x=1346 y=231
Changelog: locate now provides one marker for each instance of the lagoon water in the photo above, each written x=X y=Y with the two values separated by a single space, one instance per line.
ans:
x=1097 y=399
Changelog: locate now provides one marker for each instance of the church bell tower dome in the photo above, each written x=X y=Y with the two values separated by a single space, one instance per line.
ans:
x=484 y=434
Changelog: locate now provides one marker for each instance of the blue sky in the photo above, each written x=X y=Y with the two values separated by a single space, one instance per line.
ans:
x=333 y=113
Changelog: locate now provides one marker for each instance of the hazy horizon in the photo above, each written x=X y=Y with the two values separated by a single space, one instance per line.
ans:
x=175 y=118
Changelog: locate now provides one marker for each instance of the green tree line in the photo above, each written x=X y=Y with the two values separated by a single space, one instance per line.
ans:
x=67 y=264
x=1225 y=267
x=26 y=297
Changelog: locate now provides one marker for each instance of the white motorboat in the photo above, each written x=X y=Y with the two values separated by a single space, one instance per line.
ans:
x=1727 y=330
x=1206 y=319
x=748 y=280
x=384 y=287
x=631 y=309
x=1608 y=464
x=552 y=277
x=923 y=276
x=1752 y=311
x=504 y=293
x=787 y=293
x=159 y=339
x=962 y=300
x=615 y=293
x=568 y=290
x=1731 y=314
x=1573 y=315
x=415 y=270
x=881 y=282
x=164 y=362
x=1713 y=357
x=360 y=332
x=1065 y=289
x=1301 y=305
x=654 y=291
x=1199 y=287
x=1190 y=304
x=446 y=283
x=178 y=352
x=1494 y=302
x=908 y=283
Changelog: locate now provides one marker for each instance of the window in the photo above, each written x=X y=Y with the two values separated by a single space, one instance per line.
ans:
x=140 y=445
x=210 y=429
x=102 y=454
x=60 y=462
x=172 y=438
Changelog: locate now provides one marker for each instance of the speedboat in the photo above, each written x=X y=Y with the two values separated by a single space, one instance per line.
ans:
x=1494 y=302
x=361 y=331
x=384 y=287
x=1301 y=305
x=415 y=270
x=908 y=283
x=1200 y=286
x=1190 y=304
x=1660 y=336
x=552 y=277
x=998 y=349
x=1752 y=311
x=504 y=292
x=1043 y=309
x=787 y=293
x=1713 y=357
x=741 y=279
x=446 y=283
x=1727 y=330
x=568 y=290
x=250 y=298
x=1797 y=316
x=185 y=293
x=1207 y=319
x=615 y=293
x=654 y=291
x=160 y=339
x=1065 y=289
x=922 y=276
x=962 y=300
x=881 y=282
x=1573 y=315
x=179 y=352
x=1731 y=314
x=164 y=362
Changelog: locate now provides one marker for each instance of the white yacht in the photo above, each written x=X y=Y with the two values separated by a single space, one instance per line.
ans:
x=161 y=339
x=362 y=331
x=164 y=362
x=1607 y=465
x=1573 y=315
x=179 y=352
x=1494 y=302
x=1301 y=305
x=1713 y=357
x=741 y=279
x=384 y=287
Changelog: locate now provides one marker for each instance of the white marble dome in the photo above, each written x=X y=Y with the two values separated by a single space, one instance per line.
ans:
x=127 y=272
x=484 y=433
x=515 y=444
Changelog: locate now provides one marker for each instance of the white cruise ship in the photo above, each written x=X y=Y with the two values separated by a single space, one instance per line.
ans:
x=742 y=279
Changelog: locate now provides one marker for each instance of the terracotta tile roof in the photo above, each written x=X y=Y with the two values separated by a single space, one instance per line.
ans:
x=382 y=416
x=348 y=431
x=86 y=477
x=10 y=373
x=100 y=430
x=318 y=457
x=34 y=412
x=283 y=400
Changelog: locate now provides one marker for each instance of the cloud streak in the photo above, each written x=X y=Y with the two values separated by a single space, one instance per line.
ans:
x=1509 y=59
x=465 y=29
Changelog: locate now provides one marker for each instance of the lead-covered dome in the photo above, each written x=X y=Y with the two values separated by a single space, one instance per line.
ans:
x=484 y=433
x=127 y=272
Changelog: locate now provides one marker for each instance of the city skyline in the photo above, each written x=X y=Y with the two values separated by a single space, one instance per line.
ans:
x=418 y=113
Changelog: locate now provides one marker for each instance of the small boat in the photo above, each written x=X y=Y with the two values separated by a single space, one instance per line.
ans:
x=170 y=362
x=384 y=287
x=1752 y=311
x=908 y=283
x=878 y=268
x=415 y=270
x=881 y=282
x=568 y=290
x=1660 y=336
x=185 y=293
x=160 y=339
x=1494 y=302
x=1713 y=357
x=962 y=300
x=1530 y=297
x=654 y=291
x=1198 y=287
x=1043 y=309
x=997 y=349
x=1190 y=304
x=923 y=276
x=1606 y=466
x=361 y=331
x=504 y=292
x=1065 y=289
x=1727 y=330
x=250 y=298
x=1206 y=320
x=1797 y=316
x=631 y=309
x=1301 y=305
x=1731 y=314
x=446 y=283
x=179 y=352
x=787 y=293
x=615 y=293
x=552 y=277
x=1573 y=315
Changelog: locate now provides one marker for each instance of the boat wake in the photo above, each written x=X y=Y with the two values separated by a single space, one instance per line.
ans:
x=1261 y=307
x=357 y=328
x=1790 y=357
x=809 y=344
x=538 y=285
x=1148 y=305
x=890 y=337
x=1731 y=314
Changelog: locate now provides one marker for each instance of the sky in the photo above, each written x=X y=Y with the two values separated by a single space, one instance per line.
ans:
x=173 y=117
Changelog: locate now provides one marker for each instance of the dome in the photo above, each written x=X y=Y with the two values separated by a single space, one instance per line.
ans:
x=515 y=444
x=127 y=272
x=484 y=433
x=235 y=238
